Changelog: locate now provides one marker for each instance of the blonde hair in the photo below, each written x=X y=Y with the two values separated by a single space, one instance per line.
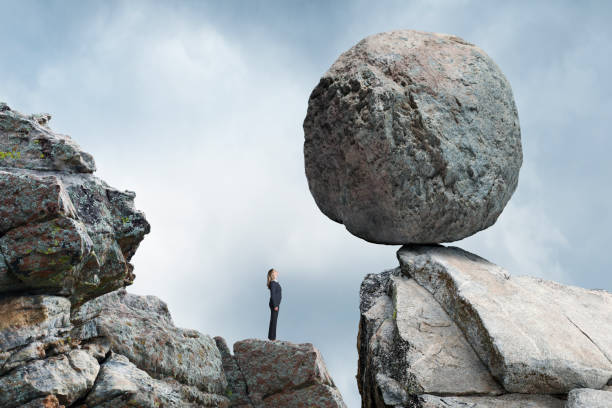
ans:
x=269 y=277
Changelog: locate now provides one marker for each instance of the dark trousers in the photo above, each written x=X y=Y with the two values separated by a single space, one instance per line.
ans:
x=272 y=327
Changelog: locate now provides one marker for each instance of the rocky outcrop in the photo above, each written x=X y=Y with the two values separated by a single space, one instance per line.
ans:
x=63 y=231
x=265 y=374
x=68 y=337
x=71 y=335
x=66 y=376
x=141 y=329
x=448 y=328
x=522 y=328
x=412 y=137
x=116 y=350
x=120 y=383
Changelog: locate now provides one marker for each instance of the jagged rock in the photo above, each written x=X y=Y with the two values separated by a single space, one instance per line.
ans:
x=278 y=374
x=412 y=137
x=236 y=385
x=504 y=401
x=63 y=231
x=31 y=198
x=408 y=346
x=31 y=326
x=67 y=376
x=141 y=328
x=535 y=336
x=121 y=383
x=27 y=142
x=587 y=398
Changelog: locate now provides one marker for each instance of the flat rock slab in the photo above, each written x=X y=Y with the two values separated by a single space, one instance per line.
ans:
x=587 y=398
x=535 y=336
x=439 y=357
x=281 y=373
x=141 y=328
x=504 y=401
x=410 y=346
x=412 y=137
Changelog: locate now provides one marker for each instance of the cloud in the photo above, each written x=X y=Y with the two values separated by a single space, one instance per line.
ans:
x=198 y=108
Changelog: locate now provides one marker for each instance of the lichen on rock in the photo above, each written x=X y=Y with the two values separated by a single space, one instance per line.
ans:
x=62 y=230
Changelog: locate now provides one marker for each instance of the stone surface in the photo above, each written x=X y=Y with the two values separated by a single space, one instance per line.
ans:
x=535 y=336
x=31 y=198
x=587 y=398
x=47 y=255
x=271 y=367
x=408 y=345
x=67 y=237
x=50 y=401
x=31 y=327
x=121 y=383
x=504 y=401
x=141 y=329
x=63 y=231
x=281 y=374
x=67 y=376
x=28 y=142
x=412 y=137
x=317 y=395
x=237 y=390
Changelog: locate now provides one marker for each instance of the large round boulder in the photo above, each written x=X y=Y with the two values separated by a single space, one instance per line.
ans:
x=412 y=137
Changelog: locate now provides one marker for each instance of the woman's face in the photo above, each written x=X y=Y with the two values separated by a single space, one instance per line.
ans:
x=275 y=274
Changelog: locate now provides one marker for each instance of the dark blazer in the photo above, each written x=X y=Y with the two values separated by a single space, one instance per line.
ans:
x=275 y=294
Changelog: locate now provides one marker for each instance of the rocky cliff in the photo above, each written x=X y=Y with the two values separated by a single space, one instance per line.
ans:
x=70 y=334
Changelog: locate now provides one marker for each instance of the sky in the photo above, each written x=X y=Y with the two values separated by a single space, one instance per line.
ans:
x=197 y=106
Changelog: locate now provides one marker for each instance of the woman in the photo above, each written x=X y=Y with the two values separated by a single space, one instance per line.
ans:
x=275 y=299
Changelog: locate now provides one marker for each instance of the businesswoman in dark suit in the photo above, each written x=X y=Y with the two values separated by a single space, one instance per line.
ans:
x=275 y=300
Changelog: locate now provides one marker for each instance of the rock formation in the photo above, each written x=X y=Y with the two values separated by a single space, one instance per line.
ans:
x=70 y=334
x=63 y=231
x=412 y=137
x=448 y=328
x=264 y=374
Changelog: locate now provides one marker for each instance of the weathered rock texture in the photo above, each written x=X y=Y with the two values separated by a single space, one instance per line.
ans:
x=63 y=231
x=448 y=328
x=277 y=374
x=586 y=398
x=68 y=337
x=522 y=328
x=118 y=350
x=412 y=137
x=237 y=391
x=70 y=334
x=141 y=328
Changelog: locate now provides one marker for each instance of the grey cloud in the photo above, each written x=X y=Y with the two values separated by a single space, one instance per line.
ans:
x=198 y=106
